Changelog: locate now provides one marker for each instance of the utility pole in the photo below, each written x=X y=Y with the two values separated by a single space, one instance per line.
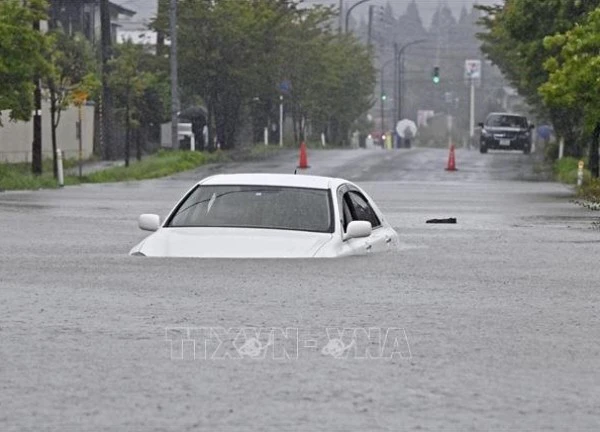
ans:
x=400 y=84
x=370 y=33
x=382 y=106
x=36 y=146
x=106 y=106
x=472 y=112
x=281 y=121
x=400 y=59
x=383 y=95
x=341 y=18
x=396 y=90
x=174 y=80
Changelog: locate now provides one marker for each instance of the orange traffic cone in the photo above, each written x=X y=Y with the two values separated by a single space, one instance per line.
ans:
x=451 y=160
x=303 y=163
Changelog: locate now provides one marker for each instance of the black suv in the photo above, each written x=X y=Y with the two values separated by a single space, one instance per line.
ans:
x=504 y=131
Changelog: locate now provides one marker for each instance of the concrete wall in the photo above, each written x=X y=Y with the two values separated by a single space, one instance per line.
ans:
x=16 y=137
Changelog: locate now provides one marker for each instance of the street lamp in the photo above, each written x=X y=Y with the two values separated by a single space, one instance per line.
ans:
x=358 y=3
x=383 y=95
x=400 y=58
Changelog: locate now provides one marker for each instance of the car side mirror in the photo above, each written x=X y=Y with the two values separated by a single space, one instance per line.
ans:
x=359 y=229
x=480 y=125
x=149 y=222
x=531 y=126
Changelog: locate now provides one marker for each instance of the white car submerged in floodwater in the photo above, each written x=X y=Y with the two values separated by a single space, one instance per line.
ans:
x=268 y=216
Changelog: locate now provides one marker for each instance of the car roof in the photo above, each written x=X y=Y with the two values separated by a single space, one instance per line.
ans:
x=286 y=180
x=506 y=114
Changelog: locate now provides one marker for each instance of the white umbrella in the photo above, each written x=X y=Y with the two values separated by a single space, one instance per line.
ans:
x=406 y=127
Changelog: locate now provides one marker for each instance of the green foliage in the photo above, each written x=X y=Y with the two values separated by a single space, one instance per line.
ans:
x=127 y=81
x=164 y=163
x=514 y=41
x=574 y=70
x=332 y=75
x=551 y=150
x=70 y=78
x=72 y=69
x=140 y=89
x=515 y=37
x=590 y=192
x=573 y=81
x=19 y=177
x=161 y=164
x=140 y=84
x=566 y=169
x=21 y=59
x=234 y=55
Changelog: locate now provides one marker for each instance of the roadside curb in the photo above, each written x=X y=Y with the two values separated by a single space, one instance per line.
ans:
x=590 y=205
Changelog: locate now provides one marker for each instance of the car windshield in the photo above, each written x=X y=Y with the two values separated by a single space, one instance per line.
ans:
x=269 y=207
x=507 y=121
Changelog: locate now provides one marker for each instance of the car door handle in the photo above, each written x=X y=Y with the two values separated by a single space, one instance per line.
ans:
x=388 y=240
x=369 y=247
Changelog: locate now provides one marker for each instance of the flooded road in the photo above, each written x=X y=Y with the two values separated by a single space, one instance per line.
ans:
x=493 y=323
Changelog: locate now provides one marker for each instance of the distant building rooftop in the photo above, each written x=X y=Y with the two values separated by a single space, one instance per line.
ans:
x=141 y=37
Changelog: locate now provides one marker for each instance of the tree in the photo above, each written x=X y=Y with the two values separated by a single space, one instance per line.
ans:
x=235 y=55
x=153 y=107
x=464 y=15
x=573 y=77
x=514 y=41
x=134 y=88
x=413 y=16
x=226 y=58
x=21 y=60
x=332 y=76
x=443 y=19
x=72 y=71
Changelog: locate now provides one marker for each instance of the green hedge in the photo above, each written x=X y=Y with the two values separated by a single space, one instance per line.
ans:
x=566 y=170
x=590 y=191
x=161 y=164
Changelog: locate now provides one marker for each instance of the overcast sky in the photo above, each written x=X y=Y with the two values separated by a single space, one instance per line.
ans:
x=147 y=8
x=426 y=7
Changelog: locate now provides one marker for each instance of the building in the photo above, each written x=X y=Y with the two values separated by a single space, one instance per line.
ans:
x=16 y=137
x=73 y=16
x=83 y=16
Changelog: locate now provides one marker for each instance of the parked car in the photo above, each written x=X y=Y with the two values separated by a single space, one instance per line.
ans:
x=505 y=131
x=269 y=216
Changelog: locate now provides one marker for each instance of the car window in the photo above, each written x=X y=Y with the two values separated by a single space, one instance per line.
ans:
x=507 y=121
x=356 y=207
x=346 y=211
x=269 y=207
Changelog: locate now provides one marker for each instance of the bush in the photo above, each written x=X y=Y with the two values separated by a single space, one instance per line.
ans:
x=551 y=151
x=162 y=164
x=566 y=170
x=18 y=176
x=590 y=191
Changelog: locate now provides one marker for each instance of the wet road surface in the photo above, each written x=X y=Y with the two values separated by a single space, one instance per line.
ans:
x=499 y=315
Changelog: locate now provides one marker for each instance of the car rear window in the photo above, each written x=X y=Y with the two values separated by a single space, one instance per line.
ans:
x=267 y=207
x=507 y=121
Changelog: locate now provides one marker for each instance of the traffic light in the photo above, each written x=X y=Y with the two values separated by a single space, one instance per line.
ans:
x=436 y=75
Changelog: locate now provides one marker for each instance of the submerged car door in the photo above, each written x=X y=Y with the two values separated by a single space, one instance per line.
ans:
x=355 y=206
x=378 y=240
